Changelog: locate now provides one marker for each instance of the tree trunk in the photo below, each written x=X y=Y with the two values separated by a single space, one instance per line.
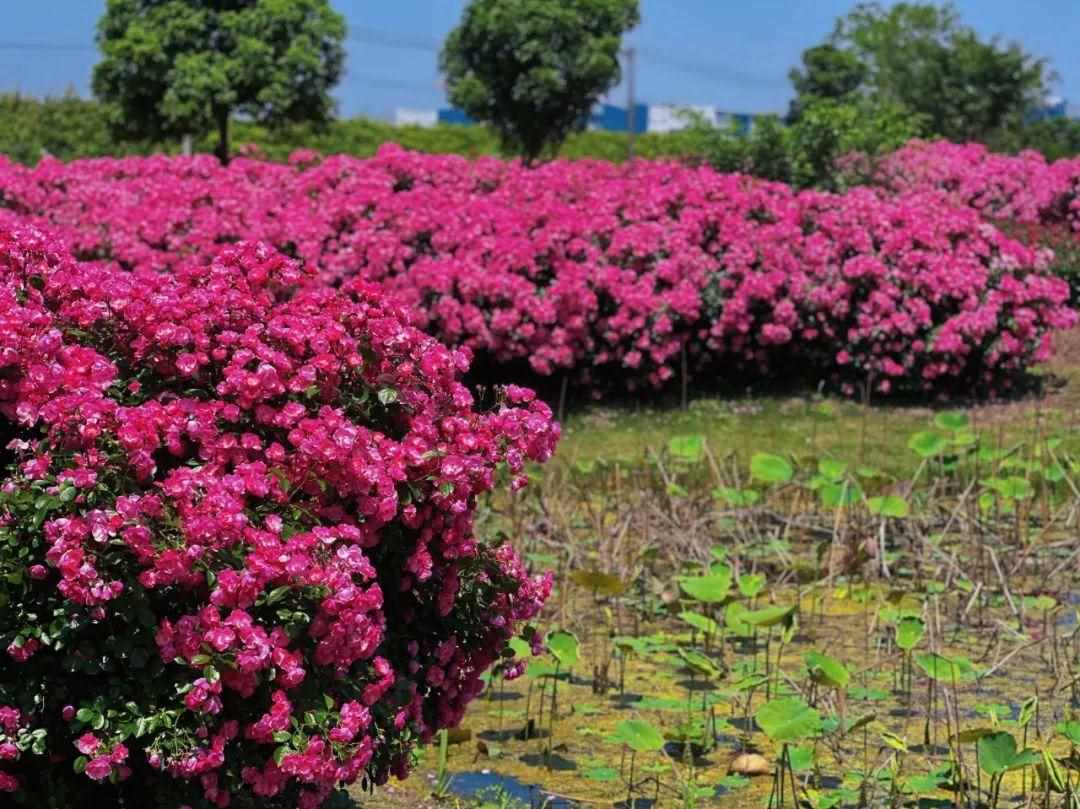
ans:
x=223 y=136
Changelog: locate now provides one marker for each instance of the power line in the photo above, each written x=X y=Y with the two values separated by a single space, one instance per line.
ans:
x=377 y=80
x=370 y=36
x=701 y=68
x=688 y=65
x=630 y=56
x=711 y=71
x=44 y=46
x=391 y=39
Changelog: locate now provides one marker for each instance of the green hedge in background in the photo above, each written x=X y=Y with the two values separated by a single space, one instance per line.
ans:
x=363 y=137
x=803 y=154
x=70 y=127
x=67 y=127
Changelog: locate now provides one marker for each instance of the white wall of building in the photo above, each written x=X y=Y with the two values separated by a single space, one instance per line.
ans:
x=670 y=118
x=410 y=117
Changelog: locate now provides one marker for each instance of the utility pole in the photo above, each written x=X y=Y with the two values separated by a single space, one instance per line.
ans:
x=631 y=102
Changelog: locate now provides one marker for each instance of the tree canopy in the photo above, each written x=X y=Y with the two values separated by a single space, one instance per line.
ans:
x=184 y=67
x=828 y=73
x=923 y=58
x=533 y=69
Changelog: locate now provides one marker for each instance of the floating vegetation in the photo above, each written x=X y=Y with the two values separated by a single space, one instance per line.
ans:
x=798 y=631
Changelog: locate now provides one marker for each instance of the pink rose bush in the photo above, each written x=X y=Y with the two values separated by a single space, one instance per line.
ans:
x=1022 y=188
x=237 y=557
x=1030 y=199
x=619 y=277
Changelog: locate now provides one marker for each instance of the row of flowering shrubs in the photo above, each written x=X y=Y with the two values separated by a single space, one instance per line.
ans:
x=1022 y=188
x=615 y=275
x=1035 y=201
x=237 y=559
x=238 y=474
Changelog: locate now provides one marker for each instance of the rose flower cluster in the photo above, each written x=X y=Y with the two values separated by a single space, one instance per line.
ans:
x=614 y=277
x=237 y=557
x=1023 y=188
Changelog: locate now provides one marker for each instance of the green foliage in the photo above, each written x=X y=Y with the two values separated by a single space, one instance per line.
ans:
x=701 y=663
x=751 y=584
x=800 y=759
x=927 y=444
x=734 y=619
x=723 y=148
x=839 y=494
x=768 y=616
x=1066 y=266
x=709 y=589
x=788 y=719
x=602 y=584
x=769 y=468
x=1010 y=488
x=768 y=152
x=702 y=623
x=519 y=647
x=919 y=57
x=953 y=421
x=639 y=735
x=1070 y=730
x=909 y=631
x=827 y=670
x=533 y=69
x=888 y=506
x=70 y=127
x=807 y=152
x=66 y=127
x=828 y=130
x=975 y=88
x=832 y=469
x=827 y=72
x=737 y=498
x=1056 y=138
x=998 y=754
x=945 y=669
x=564 y=648
x=687 y=448
x=183 y=67
x=364 y=136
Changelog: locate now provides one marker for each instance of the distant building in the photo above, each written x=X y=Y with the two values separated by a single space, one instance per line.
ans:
x=609 y=118
x=409 y=117
x=668 y=118
x=1050 y=109
x=742 y=123
x=454 y=116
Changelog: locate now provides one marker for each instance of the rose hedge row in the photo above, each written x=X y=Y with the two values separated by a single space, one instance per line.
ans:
x=620 y=276
x=1028 y=197
x=237 y=559
x=1023 y=188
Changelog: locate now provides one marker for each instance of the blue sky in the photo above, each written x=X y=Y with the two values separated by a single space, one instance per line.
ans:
x=734 y=55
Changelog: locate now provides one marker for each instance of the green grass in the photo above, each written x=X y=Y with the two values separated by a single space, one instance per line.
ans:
x=802 y=428
x=811 y=426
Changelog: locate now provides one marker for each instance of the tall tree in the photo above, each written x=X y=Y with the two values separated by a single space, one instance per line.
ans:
x=179 y=67
x=827 y=73
x=920 y=56
x=533 y=69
